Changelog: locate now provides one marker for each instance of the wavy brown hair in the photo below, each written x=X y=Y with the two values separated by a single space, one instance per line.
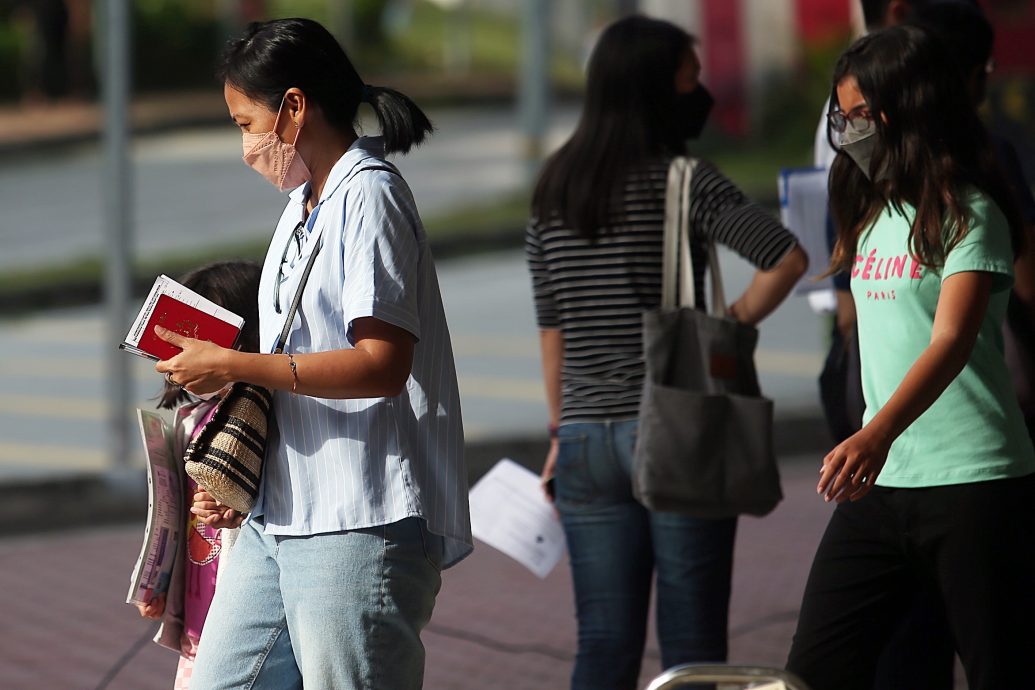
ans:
x=931 y=148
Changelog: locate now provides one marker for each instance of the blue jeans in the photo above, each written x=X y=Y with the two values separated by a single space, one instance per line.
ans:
x=616 y=545
x=342 y=610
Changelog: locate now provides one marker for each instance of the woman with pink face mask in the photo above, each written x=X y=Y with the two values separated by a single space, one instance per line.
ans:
x=364 y=494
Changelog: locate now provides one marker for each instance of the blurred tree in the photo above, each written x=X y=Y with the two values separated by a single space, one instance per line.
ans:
x=624 y=7
x=45 y=52
x=368 y=25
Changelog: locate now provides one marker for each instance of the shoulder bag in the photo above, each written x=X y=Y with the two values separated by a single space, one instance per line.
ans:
x=704 y=445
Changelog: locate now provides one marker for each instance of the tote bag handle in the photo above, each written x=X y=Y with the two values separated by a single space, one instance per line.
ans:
x=677 y=258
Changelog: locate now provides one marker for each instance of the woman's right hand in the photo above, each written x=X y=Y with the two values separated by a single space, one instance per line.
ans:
x=213 y=513
x=546 y=478
x=850 y=470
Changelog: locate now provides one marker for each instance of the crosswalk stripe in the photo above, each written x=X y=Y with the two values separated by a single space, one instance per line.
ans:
x=53 y=407
x=79 y=368
x=496 y=388
x=495 y=346
x=81 y=332
x=802 y=364
x=38 y=455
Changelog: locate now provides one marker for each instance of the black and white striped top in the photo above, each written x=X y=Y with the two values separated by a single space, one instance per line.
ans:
x=595 y=291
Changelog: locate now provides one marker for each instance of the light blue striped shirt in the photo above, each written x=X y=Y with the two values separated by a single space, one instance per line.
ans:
x=336 y=465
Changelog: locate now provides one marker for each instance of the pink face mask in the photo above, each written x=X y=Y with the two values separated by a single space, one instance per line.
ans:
x=276 y=160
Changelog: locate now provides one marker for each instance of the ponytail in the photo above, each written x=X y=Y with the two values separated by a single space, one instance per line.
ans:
x=271 y=57
x=403 y=124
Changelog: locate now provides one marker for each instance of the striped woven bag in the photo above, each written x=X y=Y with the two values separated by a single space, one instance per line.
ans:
x=226 y=456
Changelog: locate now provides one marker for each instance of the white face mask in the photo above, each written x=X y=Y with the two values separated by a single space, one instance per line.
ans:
x=274 y=159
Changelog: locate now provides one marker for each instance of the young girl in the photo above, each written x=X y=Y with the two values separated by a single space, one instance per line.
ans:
x=232 y=285
x=364 y=492
x=937 y=490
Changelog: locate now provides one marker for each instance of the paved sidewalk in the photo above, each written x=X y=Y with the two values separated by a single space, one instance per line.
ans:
x=495 y=625
x=31 y=127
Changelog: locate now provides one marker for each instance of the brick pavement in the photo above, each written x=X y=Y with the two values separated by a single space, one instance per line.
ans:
x=495 y=625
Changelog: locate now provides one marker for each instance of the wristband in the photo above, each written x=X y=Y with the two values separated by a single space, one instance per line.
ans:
x=553 y=429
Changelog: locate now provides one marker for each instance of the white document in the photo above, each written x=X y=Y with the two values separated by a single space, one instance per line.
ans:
x=803 y=210
x=510 y=513
x=165 y=512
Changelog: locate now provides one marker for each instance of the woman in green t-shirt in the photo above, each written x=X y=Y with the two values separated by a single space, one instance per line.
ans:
x=937 y=490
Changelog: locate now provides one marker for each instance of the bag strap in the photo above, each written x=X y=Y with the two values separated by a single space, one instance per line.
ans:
x=672 y=227
x=677 y=256
x=282 y=340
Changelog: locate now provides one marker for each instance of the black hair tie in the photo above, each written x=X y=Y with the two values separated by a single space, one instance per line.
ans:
x=367 y=94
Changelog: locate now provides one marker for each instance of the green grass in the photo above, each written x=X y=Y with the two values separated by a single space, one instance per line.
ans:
x=500 y=218
x=508 y=213
x=89 y=270
x=755 y=170
x=418 y=45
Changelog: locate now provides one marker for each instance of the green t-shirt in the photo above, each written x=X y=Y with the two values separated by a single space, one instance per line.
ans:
x=974 y=431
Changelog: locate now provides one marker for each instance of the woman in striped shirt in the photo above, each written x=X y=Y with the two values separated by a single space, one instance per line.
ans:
x=594 y=249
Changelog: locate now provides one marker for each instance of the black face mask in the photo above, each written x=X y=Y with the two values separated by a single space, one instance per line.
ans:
x=692 y=111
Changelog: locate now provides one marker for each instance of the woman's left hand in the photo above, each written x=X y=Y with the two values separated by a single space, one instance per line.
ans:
x=201 y=367
x=849 y=471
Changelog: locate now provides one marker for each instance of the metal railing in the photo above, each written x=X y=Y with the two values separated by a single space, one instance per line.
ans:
x=754 y=677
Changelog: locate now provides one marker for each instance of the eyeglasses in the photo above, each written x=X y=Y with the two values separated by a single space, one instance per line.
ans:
x=295 y=238
x=859 y=119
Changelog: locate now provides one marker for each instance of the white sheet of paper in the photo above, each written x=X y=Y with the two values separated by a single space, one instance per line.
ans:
x=510 y=513
x=803 y=210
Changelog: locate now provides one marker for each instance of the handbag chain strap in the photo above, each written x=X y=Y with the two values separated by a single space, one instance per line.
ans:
x=677 y=256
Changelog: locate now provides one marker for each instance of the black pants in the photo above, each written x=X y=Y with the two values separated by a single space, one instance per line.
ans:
x=919 y=654
x=972 y=544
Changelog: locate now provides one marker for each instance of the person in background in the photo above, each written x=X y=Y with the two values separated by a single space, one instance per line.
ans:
x=594 y=249
x=969 y=38
x=44 y=47
x=233 y=285
x=937 y=489
x=363 y=500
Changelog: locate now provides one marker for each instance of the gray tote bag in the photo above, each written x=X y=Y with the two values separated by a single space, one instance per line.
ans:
x=705 y=439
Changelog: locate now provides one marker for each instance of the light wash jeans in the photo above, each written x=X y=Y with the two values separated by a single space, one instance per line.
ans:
x=616 y=546
x=338 y=611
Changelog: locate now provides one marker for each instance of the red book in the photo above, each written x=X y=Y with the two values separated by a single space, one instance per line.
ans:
x=182 y=311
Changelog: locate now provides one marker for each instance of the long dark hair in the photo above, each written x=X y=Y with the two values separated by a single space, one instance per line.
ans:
x=931 y=147
x=233 y=285
x=967 y=35
x=628 y=117
x=271 y=57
